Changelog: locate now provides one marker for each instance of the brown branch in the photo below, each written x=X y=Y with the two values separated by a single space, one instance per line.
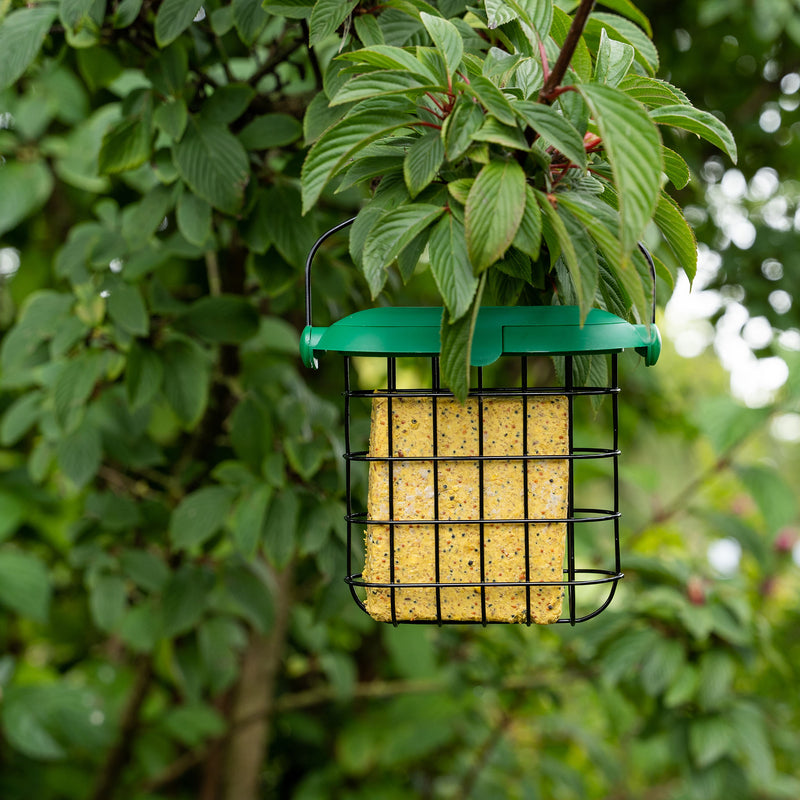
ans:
x=546 y=95
x=109 y=778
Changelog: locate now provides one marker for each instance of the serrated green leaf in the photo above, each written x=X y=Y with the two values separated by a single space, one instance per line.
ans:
x=555 y=129
x=249 y=18
x=538 y=14
x=73 y=386
x=126 y=146
x=491 y=98
x=528 y=238
x=633 y=147
x=422 y=162
x=495 y=206
x=456 y=346
x=338 y=145
x=614 y=59
x=24 y=584
x=702 y=123
x=200 y=515
x=75 y=12
x=626 y=31
x=388 y=57
x=249 y=595
x=675 y=168
x=214 y=164
x=126 y=307
x=251 y=431
x=508 y=136
x=775 y=498
x=450 y=266
x=390 y=235
x=460 y=126
x=173 y=18
x=653 y=92
x=381 y=84
x=227 y=104
x=185 y=383
x=21 y=36
x=446 y=39
x=24 y=189
x=327 y=16
x=678 y=234
x=193 y=215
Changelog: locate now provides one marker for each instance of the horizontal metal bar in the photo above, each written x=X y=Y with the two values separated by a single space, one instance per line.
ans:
x=583 y=453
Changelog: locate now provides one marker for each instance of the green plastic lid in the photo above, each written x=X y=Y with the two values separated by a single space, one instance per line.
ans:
x=499 y=330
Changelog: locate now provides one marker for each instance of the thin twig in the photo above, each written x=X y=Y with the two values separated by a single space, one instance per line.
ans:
x=568 y=49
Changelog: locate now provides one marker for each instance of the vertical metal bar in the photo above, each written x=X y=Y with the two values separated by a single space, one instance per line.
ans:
x=348 y=482
x=526 y=488
x=435 y=467
x=568 y=386
x=481 y=524
x=391 y=386
x=615 y=445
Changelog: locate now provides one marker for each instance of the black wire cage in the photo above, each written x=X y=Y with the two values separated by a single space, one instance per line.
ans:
x=470 y=514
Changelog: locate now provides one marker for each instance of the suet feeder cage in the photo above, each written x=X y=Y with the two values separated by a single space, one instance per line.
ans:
x=469 y=512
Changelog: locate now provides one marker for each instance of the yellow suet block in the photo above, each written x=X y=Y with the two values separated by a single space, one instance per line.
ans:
x=458 y=488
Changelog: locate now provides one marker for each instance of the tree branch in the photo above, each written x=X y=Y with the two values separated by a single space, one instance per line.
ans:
x=546 y=95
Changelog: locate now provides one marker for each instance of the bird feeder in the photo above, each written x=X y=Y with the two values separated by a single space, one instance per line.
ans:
x=471 y=513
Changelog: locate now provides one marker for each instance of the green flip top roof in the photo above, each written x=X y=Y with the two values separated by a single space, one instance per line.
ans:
x=499 y=330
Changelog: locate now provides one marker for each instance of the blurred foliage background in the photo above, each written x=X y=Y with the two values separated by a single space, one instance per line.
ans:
x=174 y=623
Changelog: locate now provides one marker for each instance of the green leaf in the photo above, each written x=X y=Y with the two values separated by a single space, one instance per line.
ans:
x=145 y=568
x=702 y=123
x=653 y=92
x=20 y=417
x=143 y=375
x=227 y=104
x=24 y=584
x=74 y=13
x=715 y=679
x=451 y=266
x=626 y=31
x=125 y=147
x=509 y=136
x=678 y=234
x=555 y=129
x=24 y=189
x=79 y=454
x=185 y=598
x=222 y=319
x=214 y=164
x=633 y=147
x=186 y=374
x=491 y=98
x=661 y=665
x=27 y=723
x=387 y=57
x=495 y=206
x=381 y=84
x=173 y=18
x=248 y=594
x=338 y=145
x=446 y=39
x=140 y=629
x=249 y=18
x=73 y=386
x=675 y=168
x=584 y=270
x=327 y=16
x=528 y=238
x=107 y=601
x=21 y=35
x=460 y=126
x=538 y=14
x=126 y=307
x=193 y=215
x=390 y=235
x=249 y=516
x=191 y=725
x=775 y=498
x=422 y=162
x=270 y=130
x=710 y=738
x=456 y=346
x=280 y=530
x=251 y=431
x=200 y=515
x=614 y=59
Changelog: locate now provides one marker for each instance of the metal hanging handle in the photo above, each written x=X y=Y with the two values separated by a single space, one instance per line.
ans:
x=310 y=259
